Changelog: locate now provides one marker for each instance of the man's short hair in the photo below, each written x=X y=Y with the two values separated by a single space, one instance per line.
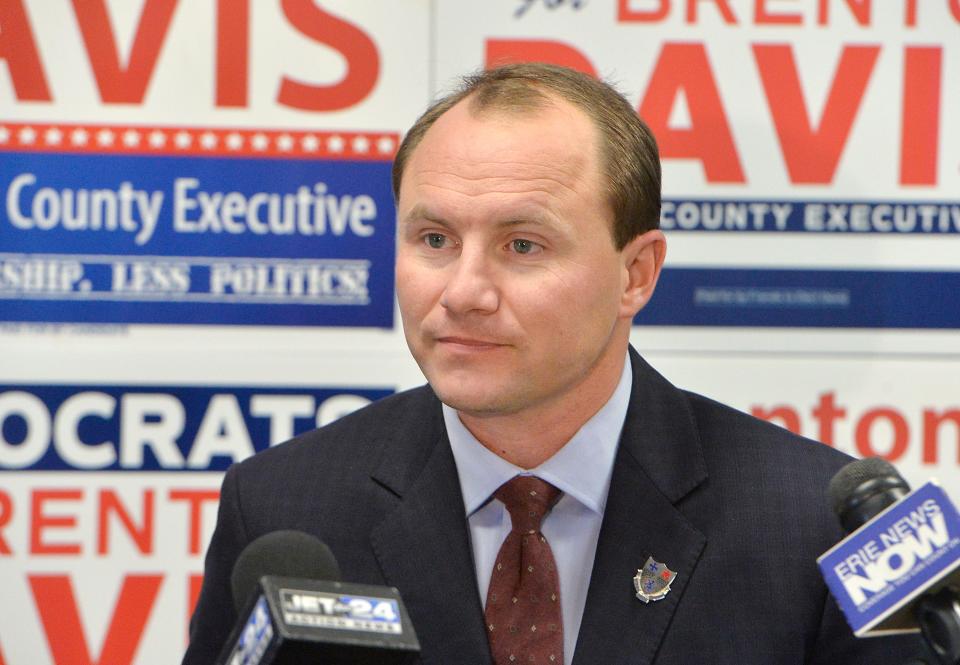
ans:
x=629 y=160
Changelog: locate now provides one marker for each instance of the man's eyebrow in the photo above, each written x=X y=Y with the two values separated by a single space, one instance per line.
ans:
x=519 y=220
x=420 y=212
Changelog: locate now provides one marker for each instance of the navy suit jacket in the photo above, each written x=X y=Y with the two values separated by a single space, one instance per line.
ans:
x=734 y=505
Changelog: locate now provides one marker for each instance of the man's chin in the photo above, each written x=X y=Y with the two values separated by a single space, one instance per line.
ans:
x=478 y=404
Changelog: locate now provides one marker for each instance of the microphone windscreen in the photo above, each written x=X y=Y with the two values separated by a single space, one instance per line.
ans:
x=863 y=489
x=853 y=475
x=284 y=554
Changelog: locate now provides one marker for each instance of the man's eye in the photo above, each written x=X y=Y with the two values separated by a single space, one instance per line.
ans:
x=435 y=240
x=522 y=246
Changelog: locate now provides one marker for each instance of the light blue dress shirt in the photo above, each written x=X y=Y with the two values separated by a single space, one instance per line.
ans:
x=581 y=470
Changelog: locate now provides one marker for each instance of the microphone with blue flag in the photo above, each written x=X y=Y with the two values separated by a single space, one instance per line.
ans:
x=293 y=609
x=899 y=569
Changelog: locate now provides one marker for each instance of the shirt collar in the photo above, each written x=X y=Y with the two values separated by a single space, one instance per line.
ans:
x=580 y=469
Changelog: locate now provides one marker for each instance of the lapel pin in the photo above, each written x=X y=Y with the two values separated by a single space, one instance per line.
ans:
x=653 y=581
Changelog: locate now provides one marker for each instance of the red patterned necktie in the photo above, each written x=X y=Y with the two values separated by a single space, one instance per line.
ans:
x=524 y=624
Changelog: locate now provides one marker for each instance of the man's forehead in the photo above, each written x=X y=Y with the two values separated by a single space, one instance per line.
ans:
x=538 y=173
x=527 y=216
x=507 y=158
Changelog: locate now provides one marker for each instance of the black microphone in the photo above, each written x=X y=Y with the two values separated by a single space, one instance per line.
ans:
x=281 y=553
x=862 y=490
x=294 y=609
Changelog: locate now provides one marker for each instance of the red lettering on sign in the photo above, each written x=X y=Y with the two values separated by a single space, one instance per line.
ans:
x=788 y=417
x=142 y=537
x=827 y=413
x=627 y=13
x=116 y=83
x=195 y=498
x=860 y=9
x=812 y=155
x=40 y=521
x=722 y=6
x=931 y=429
x=898 y=424
x=233 y=55
x=57 y=605
x=920 y=120
x=363 y=60
x=507 y=51
x=910 y=13
x=19 y=49
x=761 y=16
x=6 y=514
x=685 y=67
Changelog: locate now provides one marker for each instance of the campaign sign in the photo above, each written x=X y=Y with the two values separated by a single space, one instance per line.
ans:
x=830 y=217
x=885 y=564
x=778 y=293
x=158 y=428
x=838 y=294
x=196 y=226
x=804 y=298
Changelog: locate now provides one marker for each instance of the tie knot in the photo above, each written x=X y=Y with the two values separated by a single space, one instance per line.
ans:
x=528 y=499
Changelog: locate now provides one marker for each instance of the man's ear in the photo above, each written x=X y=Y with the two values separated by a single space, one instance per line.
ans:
x=642 y=260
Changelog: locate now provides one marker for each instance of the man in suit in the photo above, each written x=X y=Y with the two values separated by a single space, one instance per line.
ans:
x=528 y=205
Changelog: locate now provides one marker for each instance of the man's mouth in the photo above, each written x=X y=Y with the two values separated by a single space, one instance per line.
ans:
x=468 y=342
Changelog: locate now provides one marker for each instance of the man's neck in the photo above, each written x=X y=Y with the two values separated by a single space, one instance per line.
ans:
x=530 y=437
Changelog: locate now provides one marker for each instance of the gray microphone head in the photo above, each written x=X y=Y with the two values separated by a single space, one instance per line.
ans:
x=282 y=553
x=863 y=488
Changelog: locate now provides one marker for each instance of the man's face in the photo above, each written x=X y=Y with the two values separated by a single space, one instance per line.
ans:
x=508 y=279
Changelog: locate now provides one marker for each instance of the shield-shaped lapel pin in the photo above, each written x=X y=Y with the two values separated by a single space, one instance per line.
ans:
x=653 y=581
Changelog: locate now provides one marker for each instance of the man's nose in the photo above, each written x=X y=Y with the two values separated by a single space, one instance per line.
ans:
x=470 y=284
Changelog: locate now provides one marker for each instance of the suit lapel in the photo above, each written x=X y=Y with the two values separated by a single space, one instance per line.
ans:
x=659 y=461
x=423 y=548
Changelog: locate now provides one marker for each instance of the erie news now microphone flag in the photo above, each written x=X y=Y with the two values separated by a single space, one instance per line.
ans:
x=878 y=570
